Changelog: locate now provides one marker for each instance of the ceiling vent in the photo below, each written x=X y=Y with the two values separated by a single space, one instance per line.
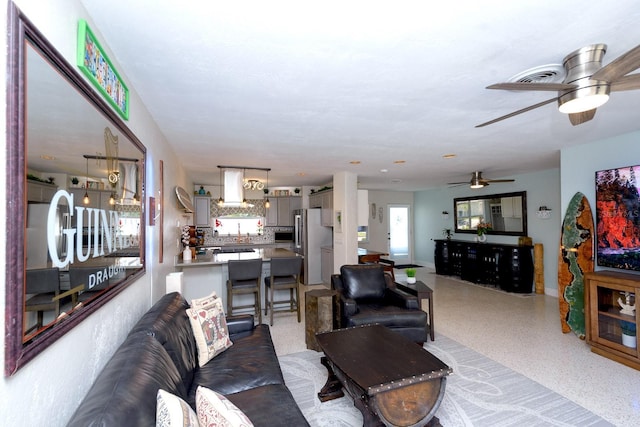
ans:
x=551 y=73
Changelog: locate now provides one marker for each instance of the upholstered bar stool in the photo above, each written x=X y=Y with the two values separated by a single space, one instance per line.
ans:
x=285 y=274
x=244 y=278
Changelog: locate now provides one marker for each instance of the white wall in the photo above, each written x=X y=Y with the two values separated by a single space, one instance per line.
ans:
x=543 y=188
x=48 y=389
x=378 y=231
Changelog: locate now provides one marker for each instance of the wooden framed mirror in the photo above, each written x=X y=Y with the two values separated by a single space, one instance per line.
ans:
x=65 y=257
x=506 y=212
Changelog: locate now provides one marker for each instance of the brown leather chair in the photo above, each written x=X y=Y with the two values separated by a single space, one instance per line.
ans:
x=244 y=278
x=285 y=274
x=368 y=295
x=43 y=286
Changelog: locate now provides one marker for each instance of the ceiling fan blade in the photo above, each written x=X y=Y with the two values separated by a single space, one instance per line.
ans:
x=579 y=118
x=630 y=82
x=457 y=183
x=554 y=87
x=620 y=66
x=499 y=180
x=515 y=113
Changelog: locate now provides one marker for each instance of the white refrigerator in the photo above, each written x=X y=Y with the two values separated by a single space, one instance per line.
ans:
x=309 y=237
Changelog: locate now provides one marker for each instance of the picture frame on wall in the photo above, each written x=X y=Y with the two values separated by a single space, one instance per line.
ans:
x=95 y=64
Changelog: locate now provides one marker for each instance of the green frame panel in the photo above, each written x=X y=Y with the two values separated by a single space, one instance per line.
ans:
x=95 y=64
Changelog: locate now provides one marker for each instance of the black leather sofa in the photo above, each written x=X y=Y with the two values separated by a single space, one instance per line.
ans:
x=368 y=295
x=160 y=352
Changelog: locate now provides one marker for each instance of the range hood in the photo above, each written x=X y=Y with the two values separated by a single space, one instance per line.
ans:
x=233 y=189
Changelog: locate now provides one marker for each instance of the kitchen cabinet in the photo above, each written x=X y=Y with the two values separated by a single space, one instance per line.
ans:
x=98 y=199
x=271 y=213
x=40 y=192
x=315 y=200
x=202 y=215
x=326 y=218
x=508 y=267
x=605 y=295
x=326 y=259
x=511 y=207
x=280 y=213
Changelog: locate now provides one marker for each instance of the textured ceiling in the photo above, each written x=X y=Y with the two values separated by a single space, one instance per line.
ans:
x=306 y=87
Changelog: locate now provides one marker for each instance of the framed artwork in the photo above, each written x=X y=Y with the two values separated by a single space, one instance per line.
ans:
x=161 y=213
x=95 y=64
x=152 y=210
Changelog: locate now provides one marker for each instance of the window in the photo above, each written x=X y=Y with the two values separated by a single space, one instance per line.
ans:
x=363 y=233
x=230 y=226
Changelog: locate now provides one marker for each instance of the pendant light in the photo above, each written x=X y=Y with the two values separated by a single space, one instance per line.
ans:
x=86 y=199
x=221 y=199
x=244 y=199
x=112 y=199
x=267 y=203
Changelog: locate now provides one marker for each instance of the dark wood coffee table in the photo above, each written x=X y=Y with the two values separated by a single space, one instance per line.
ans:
x=392 y=380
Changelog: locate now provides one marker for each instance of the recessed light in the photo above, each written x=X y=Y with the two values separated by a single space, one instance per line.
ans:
x=47 y=157
x=399 y=162
x=355 y=162
x=396 y=181
x=448 y=156
x=384 y=170
x=301 y=174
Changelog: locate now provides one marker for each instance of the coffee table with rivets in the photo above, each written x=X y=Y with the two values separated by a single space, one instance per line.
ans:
x=393 y=381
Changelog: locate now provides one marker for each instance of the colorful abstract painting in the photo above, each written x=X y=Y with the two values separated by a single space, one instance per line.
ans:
x=93 y=62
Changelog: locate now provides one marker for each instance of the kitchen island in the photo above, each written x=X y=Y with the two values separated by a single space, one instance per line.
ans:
x=209 y=272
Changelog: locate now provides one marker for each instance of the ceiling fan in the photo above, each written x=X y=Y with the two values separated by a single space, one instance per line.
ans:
x=478 y=182
x=587 y=83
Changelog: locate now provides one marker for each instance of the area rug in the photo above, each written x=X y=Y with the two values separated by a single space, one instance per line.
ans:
x=480 y=392
x=401 y=266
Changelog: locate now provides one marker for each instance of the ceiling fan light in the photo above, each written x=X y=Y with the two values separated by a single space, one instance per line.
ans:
x=583 y=99
x=476 y=185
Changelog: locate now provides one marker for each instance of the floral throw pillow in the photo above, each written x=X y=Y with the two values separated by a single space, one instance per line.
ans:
x=210 y=330
x=208 y=300
x=171 y=411
x=216 y=410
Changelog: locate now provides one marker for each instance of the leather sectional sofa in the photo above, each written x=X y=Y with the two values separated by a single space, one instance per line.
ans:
x=160 y=352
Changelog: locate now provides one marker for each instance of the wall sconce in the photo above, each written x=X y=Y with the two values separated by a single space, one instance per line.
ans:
x=445 y=215
x=543 y=212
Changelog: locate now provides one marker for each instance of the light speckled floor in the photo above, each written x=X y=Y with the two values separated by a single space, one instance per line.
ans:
x=520 y=332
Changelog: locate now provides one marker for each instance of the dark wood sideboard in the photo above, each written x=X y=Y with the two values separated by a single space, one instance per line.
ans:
x=508 y=267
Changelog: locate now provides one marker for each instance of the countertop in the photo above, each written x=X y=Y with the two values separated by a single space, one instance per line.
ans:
x=211 y=259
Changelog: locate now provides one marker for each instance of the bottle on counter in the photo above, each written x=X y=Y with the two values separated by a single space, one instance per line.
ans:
x=186 y=254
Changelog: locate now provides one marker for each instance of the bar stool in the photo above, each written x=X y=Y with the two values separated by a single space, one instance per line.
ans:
x=285 y=274
x=244 y=278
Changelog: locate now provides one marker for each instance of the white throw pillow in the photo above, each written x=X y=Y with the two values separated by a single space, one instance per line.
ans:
x=171 y=411
x=209 y=327
x=216 y=410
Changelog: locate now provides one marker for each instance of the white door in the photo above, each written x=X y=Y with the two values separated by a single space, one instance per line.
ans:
x=399 y=229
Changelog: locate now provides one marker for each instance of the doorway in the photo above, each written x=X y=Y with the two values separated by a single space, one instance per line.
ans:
x=399 y=237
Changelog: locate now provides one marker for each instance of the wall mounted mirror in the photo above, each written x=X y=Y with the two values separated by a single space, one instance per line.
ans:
x=506 y=212
x=65 y=257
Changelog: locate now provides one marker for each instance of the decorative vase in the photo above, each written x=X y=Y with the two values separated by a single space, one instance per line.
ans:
x=411 y=280
x=482 y=238
x=629 y=340
x=186 y=254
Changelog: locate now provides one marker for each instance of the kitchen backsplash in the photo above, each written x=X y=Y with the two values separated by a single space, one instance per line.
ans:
x=268 y=236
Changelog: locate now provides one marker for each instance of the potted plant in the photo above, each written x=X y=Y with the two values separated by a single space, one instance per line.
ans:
x=411 y=275
x=297 y=191
x=482 y=229
x=75 y=181
x=446 y=232
x=628 y=333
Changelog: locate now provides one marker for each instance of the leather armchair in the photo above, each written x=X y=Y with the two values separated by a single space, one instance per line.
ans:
x=368 y=295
